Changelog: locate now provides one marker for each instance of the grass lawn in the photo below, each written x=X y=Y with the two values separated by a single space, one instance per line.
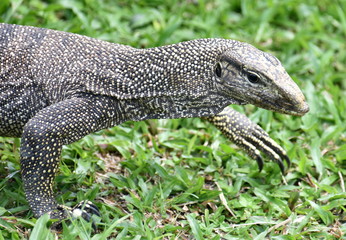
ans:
x=181 y=179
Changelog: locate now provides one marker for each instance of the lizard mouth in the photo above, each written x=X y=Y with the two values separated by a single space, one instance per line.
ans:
x=295 y=108
x=300 y=109
x=296 y=111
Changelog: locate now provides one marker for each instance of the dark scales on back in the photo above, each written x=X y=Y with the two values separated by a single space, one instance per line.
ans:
x=58 y=87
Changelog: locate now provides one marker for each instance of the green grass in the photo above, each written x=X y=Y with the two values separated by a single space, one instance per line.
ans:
x=160 y=179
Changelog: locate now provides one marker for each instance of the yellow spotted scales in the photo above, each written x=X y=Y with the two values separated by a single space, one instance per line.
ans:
x=57 y=87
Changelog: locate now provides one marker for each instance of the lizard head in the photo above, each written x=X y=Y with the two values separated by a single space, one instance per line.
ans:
x=251 y=76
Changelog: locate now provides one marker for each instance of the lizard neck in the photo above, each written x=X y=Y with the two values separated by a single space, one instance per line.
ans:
x=172 y=81
x=183 y=69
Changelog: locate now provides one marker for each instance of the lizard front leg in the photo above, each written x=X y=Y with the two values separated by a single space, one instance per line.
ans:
x=42 y=141
x=249 y=136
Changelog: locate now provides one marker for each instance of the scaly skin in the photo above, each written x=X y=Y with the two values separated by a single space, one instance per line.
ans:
x=58 y=87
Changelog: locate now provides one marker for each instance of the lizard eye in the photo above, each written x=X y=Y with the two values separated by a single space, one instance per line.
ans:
x=253 y=77
x=218 y=70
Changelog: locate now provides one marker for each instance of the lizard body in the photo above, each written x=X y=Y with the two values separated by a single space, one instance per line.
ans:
x=57 y=87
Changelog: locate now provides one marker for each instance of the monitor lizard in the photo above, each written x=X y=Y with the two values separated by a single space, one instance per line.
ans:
x=57 y=87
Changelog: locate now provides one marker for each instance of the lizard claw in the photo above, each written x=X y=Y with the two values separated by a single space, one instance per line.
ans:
x=259 y=139
x=259 y=161
x=250 y=137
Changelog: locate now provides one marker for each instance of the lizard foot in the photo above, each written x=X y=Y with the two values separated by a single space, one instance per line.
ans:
x=84 y=209
x=250 y=137
x=257 y=140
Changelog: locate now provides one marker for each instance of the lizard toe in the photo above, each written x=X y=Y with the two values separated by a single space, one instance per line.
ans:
x=86 y=210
